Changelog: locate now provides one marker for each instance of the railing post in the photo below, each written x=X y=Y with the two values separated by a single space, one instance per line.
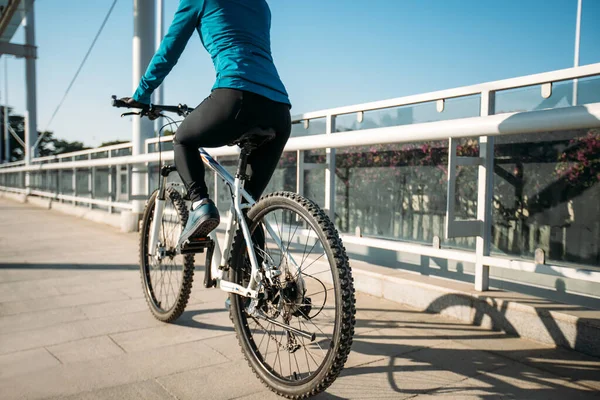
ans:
x=110 y=182
x=300 y=172
x=215 y=188
x=91 y=180
x=330 y=172
x=485 y=194
x=74 y=183
x=59 y=182
x=128 y=182
x=148 y=168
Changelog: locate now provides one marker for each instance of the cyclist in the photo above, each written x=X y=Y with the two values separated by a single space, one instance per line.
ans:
x=248 y=93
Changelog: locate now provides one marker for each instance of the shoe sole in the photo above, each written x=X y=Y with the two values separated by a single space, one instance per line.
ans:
x=202 y=229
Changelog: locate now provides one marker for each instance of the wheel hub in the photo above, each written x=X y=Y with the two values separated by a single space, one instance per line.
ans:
x=294 y=303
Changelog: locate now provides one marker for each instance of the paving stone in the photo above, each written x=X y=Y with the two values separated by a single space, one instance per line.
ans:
x=385 y=343
x=39 y=319
x=146 y=390
x=75 y=331
x=214 y=383
x=227 y=346
x=52 y=303
x=25 y=362
x=114 y=308
x=86 y=349
x=69 y=379
x=514 y=382
x=453 y=356
x=391 y=378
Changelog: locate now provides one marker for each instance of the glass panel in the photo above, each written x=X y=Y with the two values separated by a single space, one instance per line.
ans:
x=465 y=205
x=316 y=126
x=53 y=185
x=284 y=177
x=82 y=182
x=588 y=90
x=123 y=190
x=546 y=190
x=100 y=154
x=164 y=146
x=314 y=176
x=223 y=195
x=101 y=188
x=66 y=182
x=462 y=107
x=155 y=177
x=395 y=191
x=530 y=98
x=121 y=152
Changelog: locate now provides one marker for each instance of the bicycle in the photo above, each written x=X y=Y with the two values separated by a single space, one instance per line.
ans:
x=277 y=290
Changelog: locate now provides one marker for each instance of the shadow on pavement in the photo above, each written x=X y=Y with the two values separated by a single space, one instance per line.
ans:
x=86 y=266
x=422 y=356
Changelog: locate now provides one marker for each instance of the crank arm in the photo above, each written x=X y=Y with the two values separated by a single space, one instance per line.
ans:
x=231 y=287
x=308 y=335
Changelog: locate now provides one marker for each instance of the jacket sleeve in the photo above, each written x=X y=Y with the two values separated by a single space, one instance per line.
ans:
x=184 y=23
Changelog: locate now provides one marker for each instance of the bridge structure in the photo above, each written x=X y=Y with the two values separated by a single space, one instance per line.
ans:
x=479 y=203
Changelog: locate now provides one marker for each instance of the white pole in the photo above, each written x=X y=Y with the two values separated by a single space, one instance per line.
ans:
x=160 y=32
x=143 y=50
x=6 y=137
x=30 y=84
x=577 y=41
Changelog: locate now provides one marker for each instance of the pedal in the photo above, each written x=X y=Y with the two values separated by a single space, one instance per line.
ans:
x=196 y=245
x=208 y=280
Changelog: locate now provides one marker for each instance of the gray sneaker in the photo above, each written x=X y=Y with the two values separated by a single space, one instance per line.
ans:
x=201 y=221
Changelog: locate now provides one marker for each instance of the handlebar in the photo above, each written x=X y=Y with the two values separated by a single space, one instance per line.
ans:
x=154 y=109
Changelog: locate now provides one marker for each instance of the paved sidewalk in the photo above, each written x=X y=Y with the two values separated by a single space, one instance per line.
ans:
x=74 y=324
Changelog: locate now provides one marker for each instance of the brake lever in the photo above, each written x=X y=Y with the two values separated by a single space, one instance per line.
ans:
x=130 y=113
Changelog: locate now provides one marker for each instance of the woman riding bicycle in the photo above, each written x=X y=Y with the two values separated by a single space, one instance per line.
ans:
x=248 y=93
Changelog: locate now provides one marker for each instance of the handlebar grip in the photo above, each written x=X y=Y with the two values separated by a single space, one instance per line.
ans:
x=119 y=103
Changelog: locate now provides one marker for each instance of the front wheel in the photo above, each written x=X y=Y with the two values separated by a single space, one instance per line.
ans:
x=166 y=276
x=314 y=294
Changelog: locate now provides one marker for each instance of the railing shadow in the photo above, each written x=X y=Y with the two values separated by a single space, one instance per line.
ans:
x=421 y=356
x=72 y=266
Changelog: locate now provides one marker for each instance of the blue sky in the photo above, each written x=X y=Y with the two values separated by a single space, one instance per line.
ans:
x=329 y=53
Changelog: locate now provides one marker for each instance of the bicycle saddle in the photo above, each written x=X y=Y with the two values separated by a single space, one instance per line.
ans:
x=254 y=138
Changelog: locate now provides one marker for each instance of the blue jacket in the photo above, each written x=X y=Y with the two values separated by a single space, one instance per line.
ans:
x=236 y=34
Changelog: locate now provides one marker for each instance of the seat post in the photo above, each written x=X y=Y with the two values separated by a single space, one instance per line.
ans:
x=243 y=164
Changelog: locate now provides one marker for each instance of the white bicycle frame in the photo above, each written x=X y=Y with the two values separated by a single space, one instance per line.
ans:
x=236 y=219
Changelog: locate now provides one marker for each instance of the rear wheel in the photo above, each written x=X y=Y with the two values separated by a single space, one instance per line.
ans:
x=166 y=277
x=316 y=297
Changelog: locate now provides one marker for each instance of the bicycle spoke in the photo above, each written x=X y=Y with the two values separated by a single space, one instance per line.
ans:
x=322 y=291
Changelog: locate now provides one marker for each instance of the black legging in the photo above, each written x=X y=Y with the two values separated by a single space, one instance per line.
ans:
x=222 y=117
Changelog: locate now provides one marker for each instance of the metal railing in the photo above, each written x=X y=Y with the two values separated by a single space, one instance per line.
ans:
x=485 y=127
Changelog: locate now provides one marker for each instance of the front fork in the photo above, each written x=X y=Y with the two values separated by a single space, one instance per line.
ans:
x=159 y=207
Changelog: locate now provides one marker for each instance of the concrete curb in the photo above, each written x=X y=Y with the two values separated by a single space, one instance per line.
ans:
x=124 y=221
x=92 y=215
x=548 y=323
x=21 y=198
